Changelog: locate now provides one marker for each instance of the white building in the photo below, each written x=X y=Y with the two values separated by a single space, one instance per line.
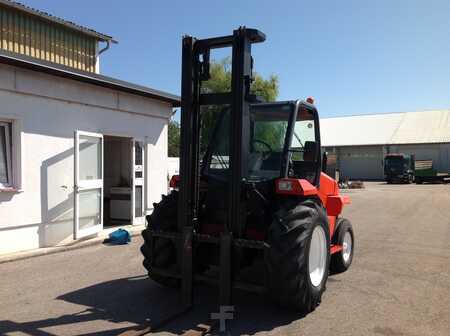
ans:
x=361 y=142
x=78 y=151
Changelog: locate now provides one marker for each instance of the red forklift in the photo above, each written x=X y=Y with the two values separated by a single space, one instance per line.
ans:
x=251 y=191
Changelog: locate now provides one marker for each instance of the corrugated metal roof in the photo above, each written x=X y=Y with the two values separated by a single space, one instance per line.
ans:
x=385 y=129
x=86 y=77
x=55 y=19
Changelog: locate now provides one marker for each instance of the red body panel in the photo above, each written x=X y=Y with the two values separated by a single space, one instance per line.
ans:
x=335 y=248
x=328 y=193
x=333 y=202
x=174 y=181
x=299 y=187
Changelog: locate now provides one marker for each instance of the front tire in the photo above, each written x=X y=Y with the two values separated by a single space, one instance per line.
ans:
x=299 y=255
x=164 y=218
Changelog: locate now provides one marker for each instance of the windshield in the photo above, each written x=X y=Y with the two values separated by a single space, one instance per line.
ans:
x=394 y=161
x=268 y=130
x=269 y=124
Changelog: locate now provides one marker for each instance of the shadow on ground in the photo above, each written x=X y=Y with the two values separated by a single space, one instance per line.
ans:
x=139 y=301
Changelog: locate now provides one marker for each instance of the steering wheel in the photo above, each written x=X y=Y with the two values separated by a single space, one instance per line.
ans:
x=265 y=154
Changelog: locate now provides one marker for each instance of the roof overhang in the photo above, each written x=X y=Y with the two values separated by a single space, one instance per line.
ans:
x=33 y=64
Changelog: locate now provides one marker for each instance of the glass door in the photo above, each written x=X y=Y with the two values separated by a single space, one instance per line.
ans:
x=138 y=171
x=88 y=190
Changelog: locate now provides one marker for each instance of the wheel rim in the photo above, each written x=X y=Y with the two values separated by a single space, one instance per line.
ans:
x=347 y=246
x=317 y=256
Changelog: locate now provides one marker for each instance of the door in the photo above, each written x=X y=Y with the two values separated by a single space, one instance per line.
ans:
x=137 y=193
x=88 y=190
x=361 y=163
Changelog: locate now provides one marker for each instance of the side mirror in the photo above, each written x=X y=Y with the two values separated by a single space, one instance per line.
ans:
x=324 y=161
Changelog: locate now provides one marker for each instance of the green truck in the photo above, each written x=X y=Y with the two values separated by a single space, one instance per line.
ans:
x=399 y=168
x=425 y=172
x=404 y=168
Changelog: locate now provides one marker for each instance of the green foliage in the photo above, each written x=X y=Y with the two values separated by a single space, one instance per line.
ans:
x=266 y=88
x=271 y=133
x=220 y=81
x=174 y=138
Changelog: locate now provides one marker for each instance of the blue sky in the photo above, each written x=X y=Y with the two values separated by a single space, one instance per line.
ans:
x=354 y=57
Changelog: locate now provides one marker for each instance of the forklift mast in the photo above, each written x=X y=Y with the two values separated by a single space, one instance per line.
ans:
x=195 y=69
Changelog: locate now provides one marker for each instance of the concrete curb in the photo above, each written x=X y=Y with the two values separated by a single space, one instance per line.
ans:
x=57 y=249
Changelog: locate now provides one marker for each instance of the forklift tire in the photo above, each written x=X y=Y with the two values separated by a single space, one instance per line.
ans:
x=341 y=261
x=299 y=239
x=164 y=218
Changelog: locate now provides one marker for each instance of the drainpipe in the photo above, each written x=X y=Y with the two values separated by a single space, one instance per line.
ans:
x=108 y=45
x=97 y=54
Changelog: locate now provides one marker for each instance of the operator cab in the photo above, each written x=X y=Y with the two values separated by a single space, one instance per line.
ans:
x=284 y=141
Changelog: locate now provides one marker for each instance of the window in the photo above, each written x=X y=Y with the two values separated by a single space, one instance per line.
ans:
x=304 y=147
x=269 y=124
x=5 y=154
x=304 y=136
x=138 y=160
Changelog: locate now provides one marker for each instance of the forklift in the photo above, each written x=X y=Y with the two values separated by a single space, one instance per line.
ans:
x=251 y=194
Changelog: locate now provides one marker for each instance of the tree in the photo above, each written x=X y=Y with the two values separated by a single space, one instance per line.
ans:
x=174 y=138
x=220 y=81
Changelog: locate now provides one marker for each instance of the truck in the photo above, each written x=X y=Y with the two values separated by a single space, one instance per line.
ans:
x=424 y=171
x=399 y=168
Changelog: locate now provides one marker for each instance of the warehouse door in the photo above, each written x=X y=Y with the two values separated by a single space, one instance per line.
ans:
x=88 y=214
x=361 y=163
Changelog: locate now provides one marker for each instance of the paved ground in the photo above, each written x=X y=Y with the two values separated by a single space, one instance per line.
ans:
x=398 y=285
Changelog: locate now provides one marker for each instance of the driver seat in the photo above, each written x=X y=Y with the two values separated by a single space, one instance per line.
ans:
x=254 y=161
x=273 y=162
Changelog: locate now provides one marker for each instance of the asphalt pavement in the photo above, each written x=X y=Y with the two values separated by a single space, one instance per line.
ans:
x=399 y=283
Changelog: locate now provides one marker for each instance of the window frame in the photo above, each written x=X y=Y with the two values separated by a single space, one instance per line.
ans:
x=16 y=153
x=7 y=126
x=318 y=162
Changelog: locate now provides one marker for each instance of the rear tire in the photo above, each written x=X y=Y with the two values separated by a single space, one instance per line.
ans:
x=341 y=261
x=299 y=249
x=164 y=218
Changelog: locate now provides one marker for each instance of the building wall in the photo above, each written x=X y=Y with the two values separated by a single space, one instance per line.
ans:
x=173 y=166
x=48 y=110
x=366 y=162
x=29 y=35
x=359 y=162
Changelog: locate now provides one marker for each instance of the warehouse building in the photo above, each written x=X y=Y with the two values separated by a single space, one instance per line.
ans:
x=360 y=143
x=79 y=151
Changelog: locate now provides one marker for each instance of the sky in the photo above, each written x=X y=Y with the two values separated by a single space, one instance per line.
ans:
x=353 y=57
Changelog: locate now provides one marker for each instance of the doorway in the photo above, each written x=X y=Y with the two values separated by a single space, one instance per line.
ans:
x=109 y=176
x=117 y=195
